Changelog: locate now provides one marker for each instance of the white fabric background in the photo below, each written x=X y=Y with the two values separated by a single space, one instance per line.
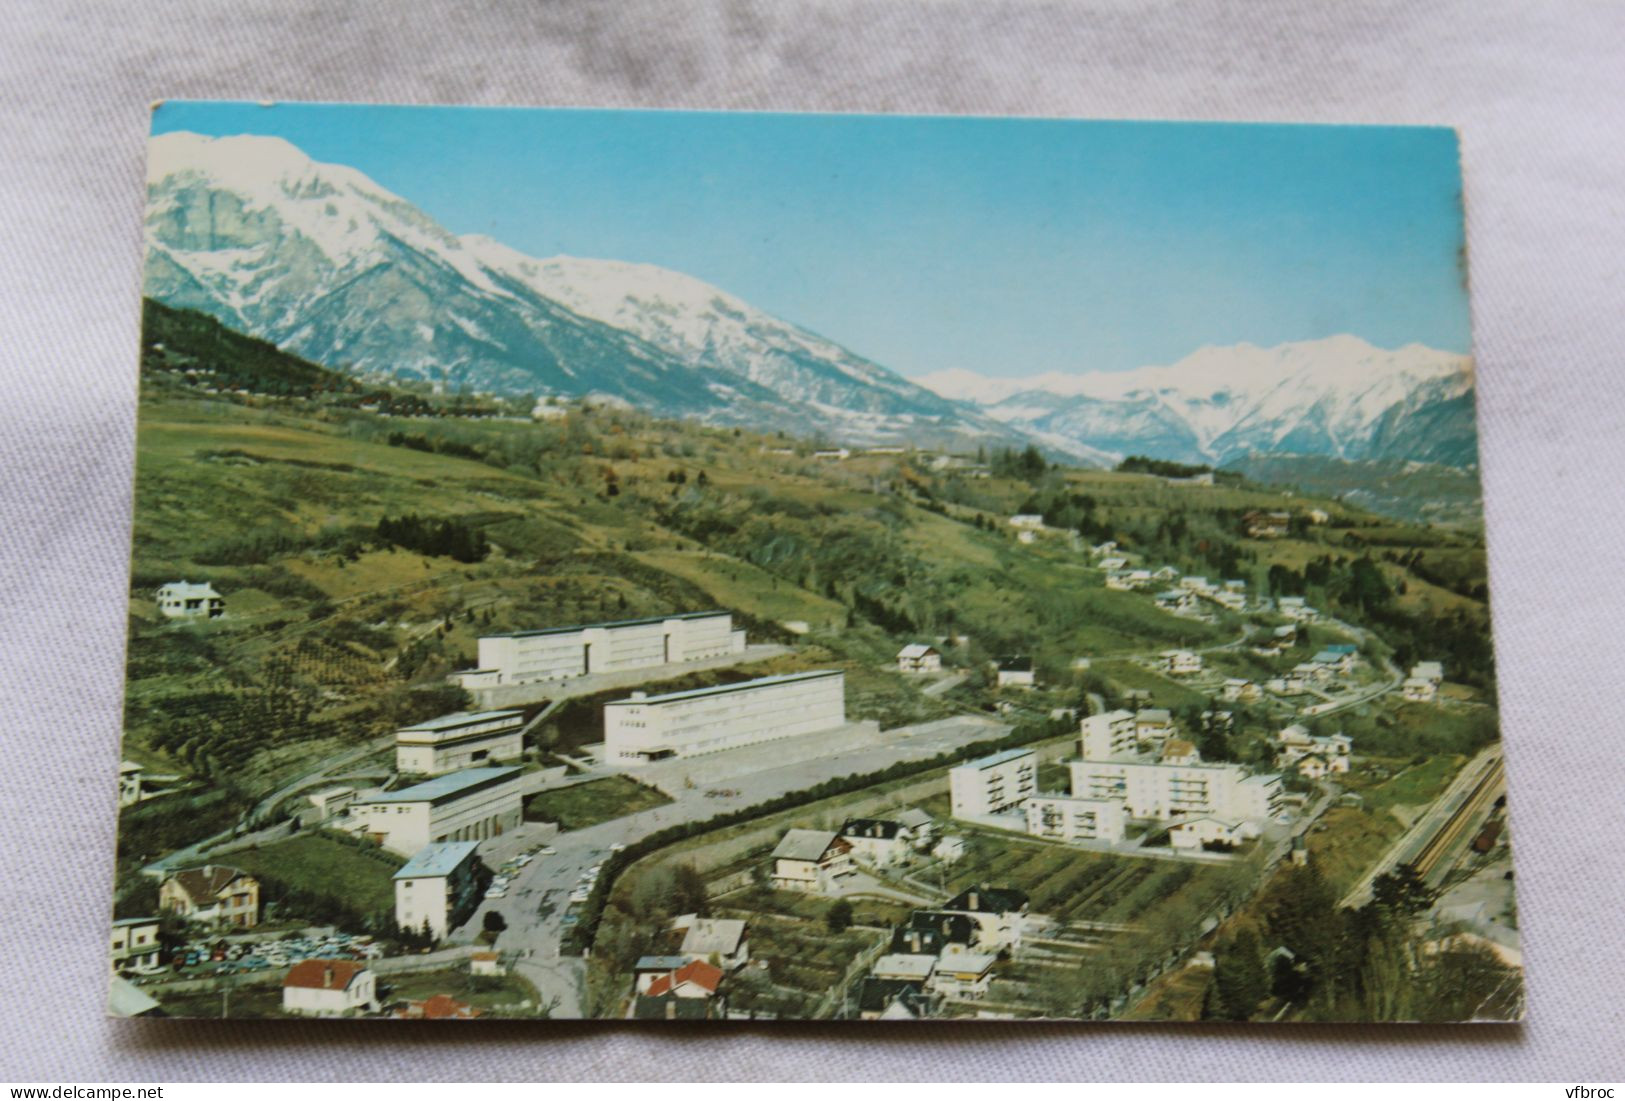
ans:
x=1538 y=92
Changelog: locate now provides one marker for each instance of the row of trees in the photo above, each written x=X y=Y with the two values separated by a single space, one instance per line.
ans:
x=1375 y=963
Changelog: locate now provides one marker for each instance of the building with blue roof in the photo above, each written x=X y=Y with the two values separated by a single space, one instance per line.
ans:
x=439 y=887
x=473 y=804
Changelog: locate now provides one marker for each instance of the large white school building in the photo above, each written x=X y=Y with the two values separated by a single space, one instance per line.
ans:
x=470 y=805
x=644 y=728
x=460 y=740
x=1165 y=792
x=562 y=653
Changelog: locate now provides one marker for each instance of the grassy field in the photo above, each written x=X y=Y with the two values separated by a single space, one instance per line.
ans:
x=747 y=588
x=583 y=805
x=1351 y=842
x=323 y=865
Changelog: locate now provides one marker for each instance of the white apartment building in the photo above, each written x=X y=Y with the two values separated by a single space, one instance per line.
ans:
x=644 y=728
x=1164 y=792
x=1075 y=818
x=993 y=784
x=438 y=888
x=470 y=805
x=183 y=599
x=459 y=740
x=1109 y=734
x=561 y=653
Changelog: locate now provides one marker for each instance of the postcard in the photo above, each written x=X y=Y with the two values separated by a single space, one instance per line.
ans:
x=669 y=566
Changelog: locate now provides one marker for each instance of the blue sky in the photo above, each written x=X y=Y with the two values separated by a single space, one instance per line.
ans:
x=1006 y=246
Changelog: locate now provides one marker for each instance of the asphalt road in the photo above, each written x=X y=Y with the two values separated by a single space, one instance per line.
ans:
x=537 y=899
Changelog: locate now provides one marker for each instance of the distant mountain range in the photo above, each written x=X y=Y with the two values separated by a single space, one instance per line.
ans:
x=323 y=262
x=1336 y=397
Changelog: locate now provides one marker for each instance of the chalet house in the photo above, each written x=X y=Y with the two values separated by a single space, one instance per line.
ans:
x=329 y=988
x=1112 y=564
x=813 y=861
x=1177 y=601
x=876 y=840
x=999 y=912
x=720 y=941
x=213 y=894
x=1294 y=607
x=1180 y=752
x=1153 y=724
x=1239 y=689
x=1419 y=690
x=918 y=824
x=1181 y=662
x=1429 y=670
x=1295 y=745
x=917 y=657
x=184 y=600
x=891 y=1000
x=1266 y=525
x=941 y=926
x=1016 y=672
x=1312 y=766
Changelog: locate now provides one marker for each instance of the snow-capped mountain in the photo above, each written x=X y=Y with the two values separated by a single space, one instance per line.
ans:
x=1339 y=396
x=322 y=261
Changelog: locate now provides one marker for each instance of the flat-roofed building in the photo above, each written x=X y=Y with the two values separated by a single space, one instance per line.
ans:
x=644 y=728
x=438 y=888
x=459 y=740
x=1165 y=792
x=471 y=805
x=562 y=653
x=135 y=944
x=1074 y=818
x=993 y=784
x=1109 y=734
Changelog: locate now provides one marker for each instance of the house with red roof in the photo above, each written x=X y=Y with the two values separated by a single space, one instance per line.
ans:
x=438 y=1007
x=329 y=988
x=688 y=992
